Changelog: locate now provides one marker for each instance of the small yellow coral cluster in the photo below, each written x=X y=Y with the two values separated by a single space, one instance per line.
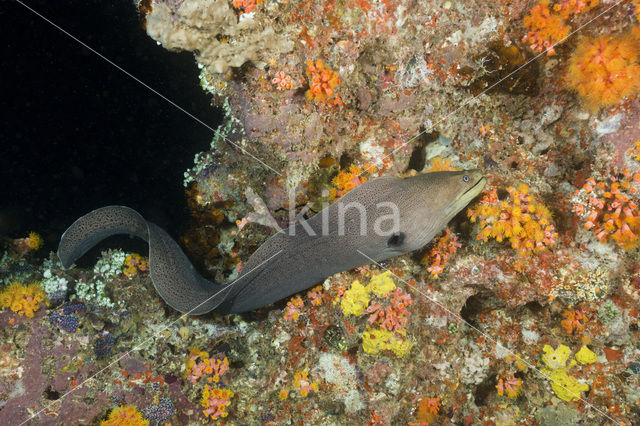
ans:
x=391 y=335
x=375 y=341
x=23 y=299
x=135 y=263
x=605 y=69
x=566 y=387
x=315 y=295
x=346 y=180
x=586 y=356
x=292 y=310
x=199 y=365
x=610 y=211
x=215 y=401
x=521 y=219
x=356 y=299
x=635 y=150
x=126 y=415
x=509 y=385
x=34 y=241
x=438 y=164
x=31 y=243
x=301 y=382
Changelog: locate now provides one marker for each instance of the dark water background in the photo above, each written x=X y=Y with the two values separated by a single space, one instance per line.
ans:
x=77 y=133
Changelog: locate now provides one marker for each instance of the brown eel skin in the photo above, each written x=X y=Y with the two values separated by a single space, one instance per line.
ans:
x=380 y=219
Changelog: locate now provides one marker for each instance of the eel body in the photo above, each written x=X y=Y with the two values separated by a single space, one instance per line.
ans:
x=382 y=218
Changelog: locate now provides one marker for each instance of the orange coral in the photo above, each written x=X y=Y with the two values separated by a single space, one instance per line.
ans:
x=346 y=180
x=573 y=7
x=315 y=295
x=301 y=381
x=395 y=316
x=322 y=83
x=198 y=364
x=605 y=69
x=215 y=401
x=292 y=311
x=24 y=245
x=428 y=409
x=509 y=385
x=282 y=81
x=574 y=320
x=134 y=263
x=520 y=219
x=545 y=28
x=436 y=258
x=245 y=6
x=23 y=299
x=438 y=164
x=127 y=415
x=610 y=211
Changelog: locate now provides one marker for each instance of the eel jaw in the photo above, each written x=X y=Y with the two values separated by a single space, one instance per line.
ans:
x=463 y=199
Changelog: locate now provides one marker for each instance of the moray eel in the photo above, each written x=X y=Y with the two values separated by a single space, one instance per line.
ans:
x=382 y=218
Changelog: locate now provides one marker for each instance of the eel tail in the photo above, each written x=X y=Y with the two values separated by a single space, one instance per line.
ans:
x=173 y=276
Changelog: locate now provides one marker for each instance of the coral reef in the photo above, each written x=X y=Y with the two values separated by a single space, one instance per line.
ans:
x=212 y=29
x=524 y=311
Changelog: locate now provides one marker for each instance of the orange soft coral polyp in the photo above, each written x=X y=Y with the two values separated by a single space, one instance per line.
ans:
x=605 y=69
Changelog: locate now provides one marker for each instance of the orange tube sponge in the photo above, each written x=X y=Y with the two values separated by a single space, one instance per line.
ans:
x=605 y=69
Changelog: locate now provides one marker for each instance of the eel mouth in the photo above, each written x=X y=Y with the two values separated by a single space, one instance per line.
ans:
x=461 y=201
x=482 y=182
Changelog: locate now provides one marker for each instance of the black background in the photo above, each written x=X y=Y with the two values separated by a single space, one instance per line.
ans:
x=77 y=133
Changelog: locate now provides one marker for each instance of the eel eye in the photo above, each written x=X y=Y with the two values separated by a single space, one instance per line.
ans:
x=465 y=178
x=396 y=239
